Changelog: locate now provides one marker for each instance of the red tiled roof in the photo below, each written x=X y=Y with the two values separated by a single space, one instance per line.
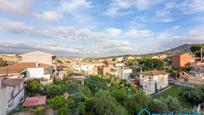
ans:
x=17 y=68
x=34 y=101
x=11 y=82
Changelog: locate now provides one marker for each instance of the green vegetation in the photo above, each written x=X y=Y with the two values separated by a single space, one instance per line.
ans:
x=187 y=97
x=34 y=87
x=196 y=49
x=109 y=96
x=147 y=63
x=2 y=62
x=193 y=95
x=173 y=92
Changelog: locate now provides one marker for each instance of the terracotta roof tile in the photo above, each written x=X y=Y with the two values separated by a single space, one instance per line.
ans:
x=17 y=68
x=34 y=101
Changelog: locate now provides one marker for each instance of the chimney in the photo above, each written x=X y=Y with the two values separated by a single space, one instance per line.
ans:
x=36 y=64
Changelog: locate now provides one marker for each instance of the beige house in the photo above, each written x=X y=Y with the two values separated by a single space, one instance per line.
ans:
x=154 y=81
x=38 y=56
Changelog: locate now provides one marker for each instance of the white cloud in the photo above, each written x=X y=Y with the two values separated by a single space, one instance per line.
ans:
x=48 y=15
x=138 y=33
x=114 y=32
x=17 y=7
x=76 y=8
x=191 y=6
x=117 y=5
x=73 y=5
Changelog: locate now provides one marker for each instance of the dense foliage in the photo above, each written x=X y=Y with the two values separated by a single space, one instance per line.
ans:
x=111 y=96
x=193 y=95
x=196 y=49
x=34 y=87
x=147 y=63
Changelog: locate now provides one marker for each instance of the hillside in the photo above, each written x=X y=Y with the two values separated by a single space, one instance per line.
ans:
x=185 y=48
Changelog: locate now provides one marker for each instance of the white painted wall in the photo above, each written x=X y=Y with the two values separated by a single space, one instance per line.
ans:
x=37 y=56
x=6 y=101
x=148 y=83
x=3 y=101
x=87 y=68
x=36 y=73
x=126 y=73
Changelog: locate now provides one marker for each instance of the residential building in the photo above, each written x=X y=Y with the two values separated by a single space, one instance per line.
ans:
x=87 y=68
x=104 y=70
x=122 y=72
x=38 y=56
x=16 y=70
x=11 y=94
x=195 y=75
x=180 y=61
x=130 y=57
x=154 y=81
x=162 y=56
x=119 y=59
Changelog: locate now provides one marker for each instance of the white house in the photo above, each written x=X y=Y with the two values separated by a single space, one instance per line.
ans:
x=37 y=73
x=11 y=93
x=121 y=72
x=38 y=56
x=87 y=68
x=154 y=81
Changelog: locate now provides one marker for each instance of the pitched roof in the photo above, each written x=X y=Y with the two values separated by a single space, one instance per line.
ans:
x=154 y=73
x=36 y=52
x=34 y=101
x=17 y=68
x=11 y=82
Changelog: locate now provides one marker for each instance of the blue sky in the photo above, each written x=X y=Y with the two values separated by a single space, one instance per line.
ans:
x=92 y=28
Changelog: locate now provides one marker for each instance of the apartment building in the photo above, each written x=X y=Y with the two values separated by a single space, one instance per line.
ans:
x=11 y=93
x=122 y=72
x=180 y=61
x=154 y=81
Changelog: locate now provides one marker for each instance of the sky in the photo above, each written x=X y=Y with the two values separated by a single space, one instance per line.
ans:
x=97 y=28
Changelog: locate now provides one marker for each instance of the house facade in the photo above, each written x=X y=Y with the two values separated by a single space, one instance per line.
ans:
x=181 y=60
x=38 y=56
x=11 y=93
x=154 y=81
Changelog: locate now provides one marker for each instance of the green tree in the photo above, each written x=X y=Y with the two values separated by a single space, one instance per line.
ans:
x=193 y=95
x=57 y=102
x=132 y=62
x=64 y=111
x=173 y=104
x=104 y=104
x=150 y=64
x=157 y=106
x=120 y=94
x=196 y=49
x=136 y=102
x=52 y=90
x=34 y=87
x=95 y=83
